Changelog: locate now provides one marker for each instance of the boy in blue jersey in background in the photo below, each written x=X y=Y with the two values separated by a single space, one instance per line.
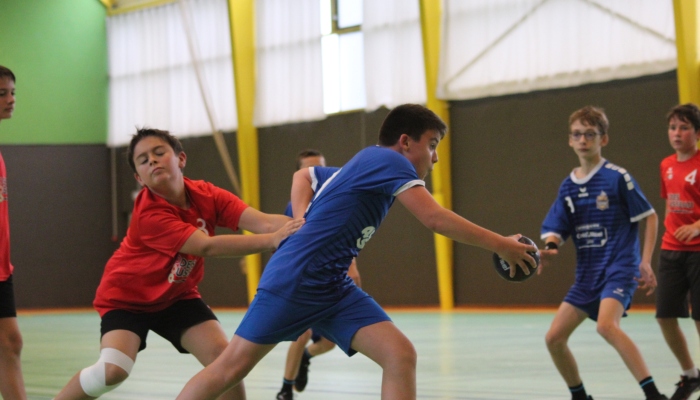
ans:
x=599 y=205
x=305 y=283
x=296 y=368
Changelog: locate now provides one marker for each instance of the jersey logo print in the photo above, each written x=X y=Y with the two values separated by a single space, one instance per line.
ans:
x=3 y=189
x=366 y=236
x=669 y=173
x=601 y=202
x=181 y=269
x=583 y=192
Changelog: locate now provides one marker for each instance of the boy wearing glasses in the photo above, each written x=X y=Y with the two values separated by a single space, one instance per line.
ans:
x=599 y=205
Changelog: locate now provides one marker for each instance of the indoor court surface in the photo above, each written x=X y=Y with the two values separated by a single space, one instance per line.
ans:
x=465 y=355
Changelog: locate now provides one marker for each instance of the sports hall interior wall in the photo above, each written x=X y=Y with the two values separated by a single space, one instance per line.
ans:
x=509 y=155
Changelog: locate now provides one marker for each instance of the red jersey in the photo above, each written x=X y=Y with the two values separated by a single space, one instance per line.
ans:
x=6 y=267
x=680 y=186
x=146 y=273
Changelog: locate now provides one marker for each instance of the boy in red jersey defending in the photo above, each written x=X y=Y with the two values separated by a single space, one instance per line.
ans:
x=679 y=266
x=150 y=283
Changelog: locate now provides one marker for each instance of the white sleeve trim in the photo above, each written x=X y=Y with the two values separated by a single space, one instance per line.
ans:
x=408 y=185
x=545 y=235
x=642 y=215
x=314 y=179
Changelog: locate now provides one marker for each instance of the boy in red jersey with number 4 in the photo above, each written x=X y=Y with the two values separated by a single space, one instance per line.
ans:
x=679 y=266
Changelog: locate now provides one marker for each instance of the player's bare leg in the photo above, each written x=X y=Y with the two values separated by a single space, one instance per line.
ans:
x=609 y=315
x=566 y=320
x=294 y=354
x=675 y=339
x=322 y=346
x=384 y=344
x=206 y=341
x=125 y=341
x=227 y=371
x=11 y=381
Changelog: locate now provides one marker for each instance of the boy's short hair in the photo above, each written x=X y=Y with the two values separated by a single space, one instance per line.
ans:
x=306 y=154
x=6 y=73
x=591 y=116
x=411 y=119
x=145 y=132
x=687 y=112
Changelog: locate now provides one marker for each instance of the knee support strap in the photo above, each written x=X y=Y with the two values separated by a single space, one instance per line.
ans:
x=93 y=378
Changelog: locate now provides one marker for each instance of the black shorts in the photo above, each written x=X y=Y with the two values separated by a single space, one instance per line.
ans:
x=7 y=299
x=679 y=275
x=169 y=323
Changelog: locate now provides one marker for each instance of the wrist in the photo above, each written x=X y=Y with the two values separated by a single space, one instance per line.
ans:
x=550 y=246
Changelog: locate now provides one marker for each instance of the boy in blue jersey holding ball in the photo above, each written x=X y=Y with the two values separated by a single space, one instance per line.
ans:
x=599 y=205
x=305 y=283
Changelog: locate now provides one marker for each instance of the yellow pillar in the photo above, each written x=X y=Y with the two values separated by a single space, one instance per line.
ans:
x=431 y=17
x=242 y=19
x=686 y=13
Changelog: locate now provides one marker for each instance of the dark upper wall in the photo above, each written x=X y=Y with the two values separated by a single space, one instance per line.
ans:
x=60 y=222
x=509 y=157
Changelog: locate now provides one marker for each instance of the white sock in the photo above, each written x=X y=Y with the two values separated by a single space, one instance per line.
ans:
x=692 y=373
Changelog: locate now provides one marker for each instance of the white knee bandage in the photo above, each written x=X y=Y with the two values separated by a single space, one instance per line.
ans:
x=93 y=378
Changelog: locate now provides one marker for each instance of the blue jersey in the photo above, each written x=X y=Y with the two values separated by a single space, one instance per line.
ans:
x=601 y=213
x=347 y=209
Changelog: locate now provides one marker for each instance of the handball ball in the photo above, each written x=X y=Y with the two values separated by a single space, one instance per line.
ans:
x=503 y=268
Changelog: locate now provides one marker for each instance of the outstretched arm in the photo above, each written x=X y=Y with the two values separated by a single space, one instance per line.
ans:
x=648 y=279
x=202 y=245
x=259 y=222
x=445 y=222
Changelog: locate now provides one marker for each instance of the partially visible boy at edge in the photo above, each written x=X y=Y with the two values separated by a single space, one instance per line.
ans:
x=11 y=381
x=679 y=261
x=305 y=283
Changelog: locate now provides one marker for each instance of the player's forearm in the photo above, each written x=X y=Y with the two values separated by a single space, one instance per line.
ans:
x=239 y=245
x=457 y=228
x=199 y=244
x=650 y=233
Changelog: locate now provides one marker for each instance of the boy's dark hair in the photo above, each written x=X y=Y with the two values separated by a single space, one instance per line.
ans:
x=687 y=112
x=591 y=116
x=6 y=73
x=145 y=132
x=306 y=154
x=411 y=119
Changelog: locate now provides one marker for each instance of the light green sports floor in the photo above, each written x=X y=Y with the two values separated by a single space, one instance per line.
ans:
x=461 y=355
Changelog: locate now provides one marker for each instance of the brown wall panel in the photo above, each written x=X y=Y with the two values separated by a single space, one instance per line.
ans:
x=60 y=222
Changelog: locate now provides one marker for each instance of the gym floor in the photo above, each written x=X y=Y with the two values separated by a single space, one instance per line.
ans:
x=465 y=355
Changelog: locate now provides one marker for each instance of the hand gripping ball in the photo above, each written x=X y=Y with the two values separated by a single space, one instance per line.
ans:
x=503 y=268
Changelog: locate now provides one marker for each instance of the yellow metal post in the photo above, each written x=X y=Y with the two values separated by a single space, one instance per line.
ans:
x=686 y=13
x=242 y=19
x=431 y=17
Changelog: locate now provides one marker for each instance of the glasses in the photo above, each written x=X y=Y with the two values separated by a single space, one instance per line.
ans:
x=589 y=135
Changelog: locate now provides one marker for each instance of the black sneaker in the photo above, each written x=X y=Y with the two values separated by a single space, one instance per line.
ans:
x=659 y=397
x=685 y=387
x=303 y=376
x=284 y=396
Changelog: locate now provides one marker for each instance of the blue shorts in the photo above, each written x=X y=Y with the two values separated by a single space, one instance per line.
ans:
x=620 y=288
x=272 y=319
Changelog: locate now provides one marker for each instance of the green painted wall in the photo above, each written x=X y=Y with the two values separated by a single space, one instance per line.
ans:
x=58 y=51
